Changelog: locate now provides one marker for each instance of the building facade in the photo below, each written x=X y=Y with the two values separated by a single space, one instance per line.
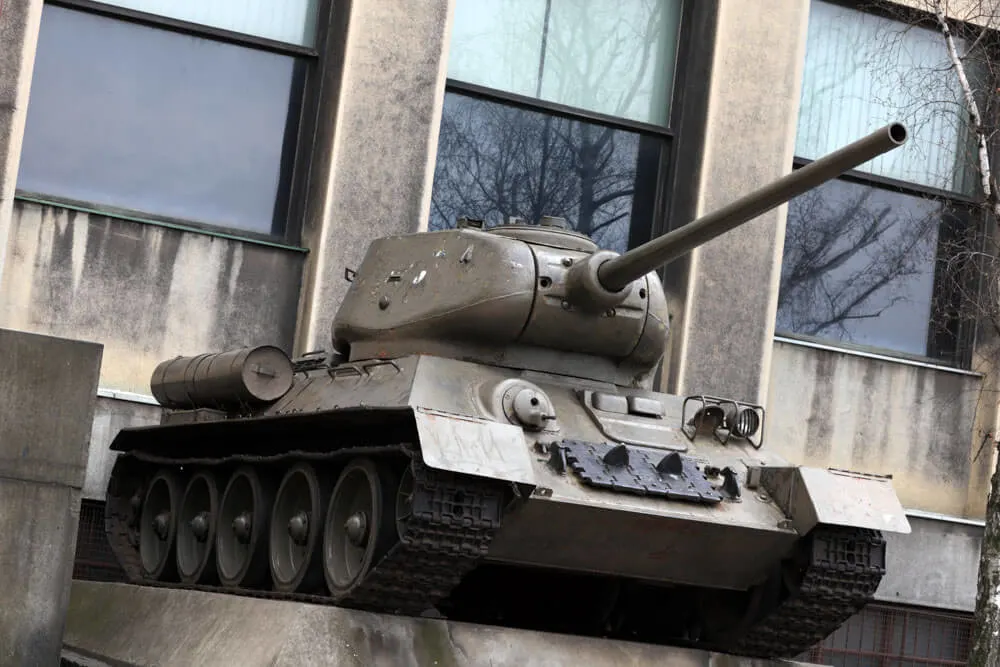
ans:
x=178 y=178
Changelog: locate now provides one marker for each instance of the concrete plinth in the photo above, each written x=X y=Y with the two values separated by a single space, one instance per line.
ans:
x=47 y=395
x=139 y=625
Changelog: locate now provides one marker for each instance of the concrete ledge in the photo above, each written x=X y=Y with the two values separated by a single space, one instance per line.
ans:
x=138 y=625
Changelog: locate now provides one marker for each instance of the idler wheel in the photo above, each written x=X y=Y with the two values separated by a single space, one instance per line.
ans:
x=196 y=530
x=295 y=532
x=241 y=533
x=158 y=526
x=360 y=525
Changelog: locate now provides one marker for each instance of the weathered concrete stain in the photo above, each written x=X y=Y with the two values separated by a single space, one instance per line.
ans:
x=145 y=626
x=727 y=331
x=110 y=416
x=372 y=174
x=836 y=409
x=947 y=557
x=46 y=406
x=146 y=292
x=818 y=427
x=19 y=23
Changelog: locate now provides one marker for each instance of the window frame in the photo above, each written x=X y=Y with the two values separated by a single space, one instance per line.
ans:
x=887 y=617
x=688 y=59
x=967 y=332
x=302 y=123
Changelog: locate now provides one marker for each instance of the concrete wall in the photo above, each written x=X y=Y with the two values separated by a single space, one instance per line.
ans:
x=830 y=408
x=19 y=22
x=146 y=292
x=46 y=405
x=934 y=566
x=110 y=416
x=726 y=327
x=376 y=144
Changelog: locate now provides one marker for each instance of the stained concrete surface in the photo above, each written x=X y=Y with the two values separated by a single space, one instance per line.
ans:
x=70 y=658
x=146 y=292
x=832 y=408
x=946 y=556
x=140 y=625
x=110 y=417
x=19 y=23
x=375 y=144
x=47 y=399
x=727 y=326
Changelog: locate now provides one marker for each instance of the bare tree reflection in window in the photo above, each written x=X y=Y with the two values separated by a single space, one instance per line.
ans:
x=496 y=162
x=858 y=266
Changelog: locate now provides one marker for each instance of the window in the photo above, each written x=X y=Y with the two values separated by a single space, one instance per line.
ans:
x=897 y=636
x=559 y=108
x=169 y=122
x=866 y=256
x=290 y=21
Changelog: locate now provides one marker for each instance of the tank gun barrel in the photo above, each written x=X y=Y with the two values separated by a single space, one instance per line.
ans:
x=615 y=274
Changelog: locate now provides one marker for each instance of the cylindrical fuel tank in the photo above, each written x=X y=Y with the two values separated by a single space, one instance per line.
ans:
x=223 y=380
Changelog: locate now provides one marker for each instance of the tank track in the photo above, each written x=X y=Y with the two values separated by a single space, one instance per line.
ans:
x=844 y=568
x=450 y=529
x=444 y=540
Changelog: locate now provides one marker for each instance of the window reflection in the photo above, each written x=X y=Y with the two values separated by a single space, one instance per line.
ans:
x=496 y=161
x=292 y=21
x=615 y=58
x=859 y=266
x=862 y=71
x=152 y=121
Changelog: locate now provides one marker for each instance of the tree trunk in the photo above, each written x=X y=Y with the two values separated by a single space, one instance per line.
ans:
x=986 y=627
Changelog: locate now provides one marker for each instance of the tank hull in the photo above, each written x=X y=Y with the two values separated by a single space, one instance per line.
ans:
x=645 y=541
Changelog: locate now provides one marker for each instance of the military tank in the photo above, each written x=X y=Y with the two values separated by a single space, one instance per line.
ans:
x=482 y=442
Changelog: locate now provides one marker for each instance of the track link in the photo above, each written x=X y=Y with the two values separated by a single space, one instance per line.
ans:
x=843 y=571
x=450 y=528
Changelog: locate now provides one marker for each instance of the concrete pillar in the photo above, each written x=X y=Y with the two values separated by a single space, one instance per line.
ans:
x=19 y=22
x=47 y=396
x=375 y=142
x=726 y=329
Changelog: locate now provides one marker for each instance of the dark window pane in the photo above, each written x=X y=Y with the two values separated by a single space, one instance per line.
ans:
x=160 y=123
x=859 y=266
x=496 y=161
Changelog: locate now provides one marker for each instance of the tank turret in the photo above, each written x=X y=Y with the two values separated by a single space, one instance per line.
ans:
x=541 y=296
x=483 y=445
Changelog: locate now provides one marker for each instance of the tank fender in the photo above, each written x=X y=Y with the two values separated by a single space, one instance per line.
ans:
x=472 y=445
x=810 y=496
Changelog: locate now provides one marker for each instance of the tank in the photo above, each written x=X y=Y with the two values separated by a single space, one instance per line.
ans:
x=482 y=442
